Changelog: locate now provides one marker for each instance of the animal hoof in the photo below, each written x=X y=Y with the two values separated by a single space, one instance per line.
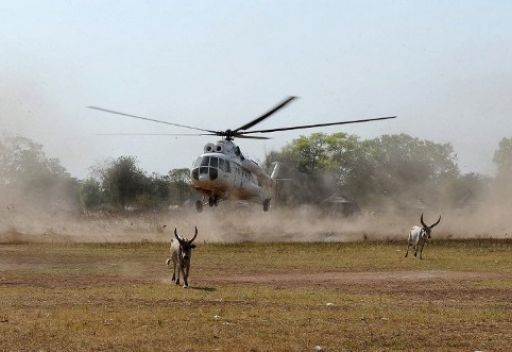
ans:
x=185 y=286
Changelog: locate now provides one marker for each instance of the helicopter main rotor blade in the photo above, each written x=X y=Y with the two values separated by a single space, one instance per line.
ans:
x=316 y=125
x=265 y=115
x=150 y=134
x=250 y=137
x=148 y=119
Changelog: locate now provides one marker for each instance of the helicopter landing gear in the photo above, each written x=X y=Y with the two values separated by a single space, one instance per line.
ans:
x=199 y=206
x=213 y=201
x=266 y=204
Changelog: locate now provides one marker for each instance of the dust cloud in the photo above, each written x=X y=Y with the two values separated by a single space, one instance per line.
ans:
x=228 y=223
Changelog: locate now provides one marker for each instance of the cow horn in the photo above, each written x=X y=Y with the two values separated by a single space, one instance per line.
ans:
x=437 y=222
x=176 y=235
x=421 y=220
x=195 y=235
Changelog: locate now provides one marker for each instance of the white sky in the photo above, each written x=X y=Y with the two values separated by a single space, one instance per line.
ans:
x=444 y=67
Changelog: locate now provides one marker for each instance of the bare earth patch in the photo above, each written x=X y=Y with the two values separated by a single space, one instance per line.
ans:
x=332 y=279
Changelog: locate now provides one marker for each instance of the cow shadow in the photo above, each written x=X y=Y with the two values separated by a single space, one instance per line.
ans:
x=202 y=288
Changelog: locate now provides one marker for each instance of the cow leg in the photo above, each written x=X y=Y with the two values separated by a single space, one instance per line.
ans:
x=173 y=272
x=184 y=277
x=407 y=252
x=178 y=275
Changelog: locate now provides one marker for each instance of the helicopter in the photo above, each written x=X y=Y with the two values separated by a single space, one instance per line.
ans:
x=222 y=172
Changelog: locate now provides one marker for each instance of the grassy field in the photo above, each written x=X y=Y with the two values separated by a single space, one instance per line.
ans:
x=257 y=297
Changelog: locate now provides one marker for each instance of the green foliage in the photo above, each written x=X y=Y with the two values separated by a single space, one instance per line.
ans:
x=122 y=181
x=316 y=164
x=387 y=167
x=91 y=195
x=406 y=166
x=156 y=192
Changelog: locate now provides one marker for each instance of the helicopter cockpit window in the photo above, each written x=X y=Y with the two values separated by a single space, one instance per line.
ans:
x=206 y=161
x=214 y=173
x=221 y=164
x=228 y=166
x=214 y=161
x=203 y=170
x=197 y=162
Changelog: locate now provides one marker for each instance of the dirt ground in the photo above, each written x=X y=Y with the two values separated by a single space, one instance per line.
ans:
x=257 y=297
x=339 y=279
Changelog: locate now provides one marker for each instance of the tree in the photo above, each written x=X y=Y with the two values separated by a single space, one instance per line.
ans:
x=179 y=185
x=387 y=167
x=25 y=169
x=122 y=181
x=91 y=194
x=503 y=158
x=407 y=166
x=466 y=189
x=318 y=165
x=156 y=193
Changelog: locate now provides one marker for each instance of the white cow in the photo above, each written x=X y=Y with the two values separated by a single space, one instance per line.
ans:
x=418 y=236
x=181 y=252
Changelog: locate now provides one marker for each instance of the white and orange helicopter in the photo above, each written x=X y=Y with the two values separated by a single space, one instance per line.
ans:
x=222 y=172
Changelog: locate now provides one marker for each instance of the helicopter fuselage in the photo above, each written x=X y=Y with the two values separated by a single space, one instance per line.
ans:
x=222 y=172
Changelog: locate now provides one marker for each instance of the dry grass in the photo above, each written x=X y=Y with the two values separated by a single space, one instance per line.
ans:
x=260 y=297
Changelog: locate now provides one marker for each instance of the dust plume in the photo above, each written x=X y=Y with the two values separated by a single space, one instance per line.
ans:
x=226 y=224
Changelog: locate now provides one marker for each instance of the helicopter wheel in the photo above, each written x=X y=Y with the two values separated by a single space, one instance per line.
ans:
x=199 y=206
x=266 y=204
x=212 y=201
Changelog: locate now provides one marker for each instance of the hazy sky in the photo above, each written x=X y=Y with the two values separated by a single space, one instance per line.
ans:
x=444 y=67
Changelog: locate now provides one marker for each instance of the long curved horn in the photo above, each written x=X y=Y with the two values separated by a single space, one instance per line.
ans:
x=421 y=220
x=176 y=235
x=195 y=235
x=437 y=222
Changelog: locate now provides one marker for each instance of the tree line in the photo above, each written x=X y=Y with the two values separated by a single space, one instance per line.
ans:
x=390 y=169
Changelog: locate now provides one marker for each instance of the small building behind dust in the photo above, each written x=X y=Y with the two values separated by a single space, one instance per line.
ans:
x=340 y=205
